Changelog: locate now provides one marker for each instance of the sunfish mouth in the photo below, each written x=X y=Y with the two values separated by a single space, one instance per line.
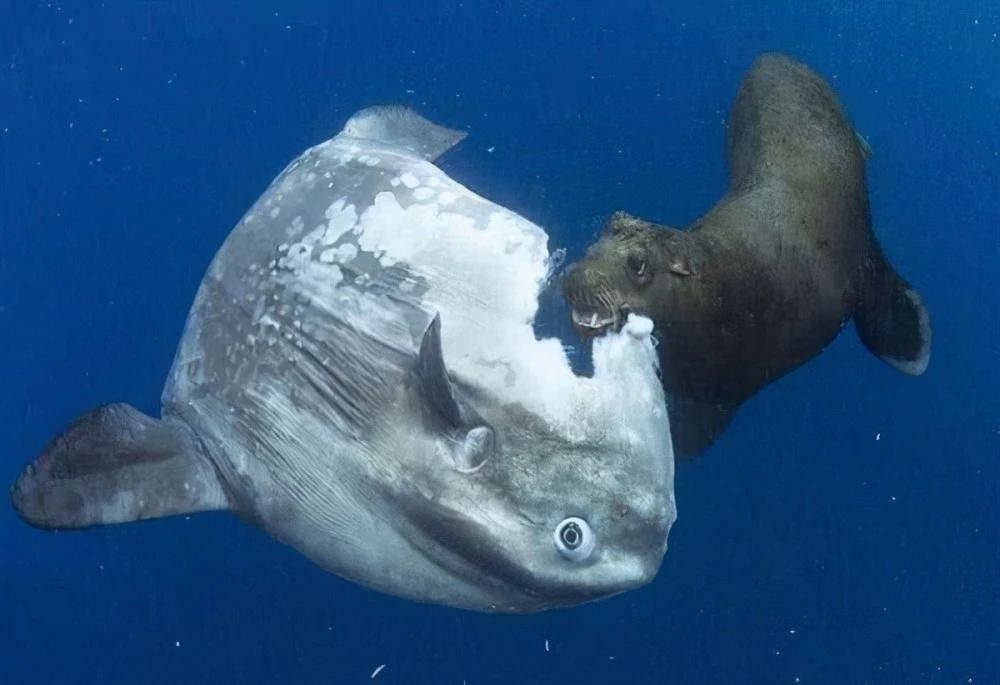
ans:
x=591 y=323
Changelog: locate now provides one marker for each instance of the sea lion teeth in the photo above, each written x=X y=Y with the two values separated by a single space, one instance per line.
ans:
x=594 y=321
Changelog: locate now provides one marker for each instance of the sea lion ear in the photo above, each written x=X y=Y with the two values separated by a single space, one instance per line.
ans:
x=680 y=266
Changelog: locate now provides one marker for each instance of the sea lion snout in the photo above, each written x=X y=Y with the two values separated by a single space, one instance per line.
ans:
x=597 y=304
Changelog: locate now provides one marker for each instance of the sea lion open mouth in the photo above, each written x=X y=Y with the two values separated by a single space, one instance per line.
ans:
x=597 y=308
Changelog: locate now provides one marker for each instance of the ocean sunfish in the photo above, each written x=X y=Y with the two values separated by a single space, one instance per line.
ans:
x=358 y=376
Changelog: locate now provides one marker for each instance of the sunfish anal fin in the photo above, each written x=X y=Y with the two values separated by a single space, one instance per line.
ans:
x=402 y=129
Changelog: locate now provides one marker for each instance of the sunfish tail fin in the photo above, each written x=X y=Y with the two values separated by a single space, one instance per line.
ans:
x=115 y=465
x=892 y=320
x=401 y=128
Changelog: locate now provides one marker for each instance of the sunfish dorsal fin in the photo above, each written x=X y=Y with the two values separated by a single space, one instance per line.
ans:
x=116 y=465
x=402 y=129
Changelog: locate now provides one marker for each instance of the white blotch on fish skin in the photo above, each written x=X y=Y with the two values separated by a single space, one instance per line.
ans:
x=347 y=252
x=314 y=236
x=446 y=198
x=409 y=180
x=339 y=255
x=407 y=285
x=423 y=193
x=275 y=211
x=372 y=161
x=340 y=219
x=296 y=258
x=386 y=227
x=394 y=181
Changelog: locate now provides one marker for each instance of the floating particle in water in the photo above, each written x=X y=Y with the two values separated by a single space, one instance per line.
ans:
x=377 y=671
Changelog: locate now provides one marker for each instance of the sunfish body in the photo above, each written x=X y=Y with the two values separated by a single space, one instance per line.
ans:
x=359 y=377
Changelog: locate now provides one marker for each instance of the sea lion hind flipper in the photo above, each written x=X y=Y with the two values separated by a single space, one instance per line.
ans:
x=893 y=322
x=115 y=465
x=694 y=425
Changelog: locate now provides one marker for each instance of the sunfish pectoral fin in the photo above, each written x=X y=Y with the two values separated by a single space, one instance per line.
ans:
x=402 y=129
x=893 y=322
x=470 y=440
x=115 y=465
x=433 y=376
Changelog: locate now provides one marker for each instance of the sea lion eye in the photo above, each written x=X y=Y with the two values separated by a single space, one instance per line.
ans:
x=638 y=267
x=574 y=538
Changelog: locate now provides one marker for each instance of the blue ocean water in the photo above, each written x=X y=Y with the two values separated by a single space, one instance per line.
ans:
x=845 y=529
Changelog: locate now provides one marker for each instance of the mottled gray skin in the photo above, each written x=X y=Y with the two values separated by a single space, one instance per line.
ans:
x=771 y=274
x=311 y=396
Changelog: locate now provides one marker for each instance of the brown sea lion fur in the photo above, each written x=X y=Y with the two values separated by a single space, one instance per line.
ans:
x=768 y=277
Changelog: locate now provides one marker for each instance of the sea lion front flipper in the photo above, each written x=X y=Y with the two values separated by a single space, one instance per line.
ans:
x=892 y=321
x=116 y=465
x=866 y=149
x=694 y=425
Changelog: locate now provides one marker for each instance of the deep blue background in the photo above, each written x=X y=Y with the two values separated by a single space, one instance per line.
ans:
x=133 y=135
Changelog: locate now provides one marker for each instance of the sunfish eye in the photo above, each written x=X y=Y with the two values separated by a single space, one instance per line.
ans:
x=574 y=538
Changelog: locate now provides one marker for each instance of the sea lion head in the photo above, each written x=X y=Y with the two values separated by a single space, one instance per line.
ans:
x=636 y=266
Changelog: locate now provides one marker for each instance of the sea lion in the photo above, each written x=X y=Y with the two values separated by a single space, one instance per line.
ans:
x=359 y=377
x=771 y=274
